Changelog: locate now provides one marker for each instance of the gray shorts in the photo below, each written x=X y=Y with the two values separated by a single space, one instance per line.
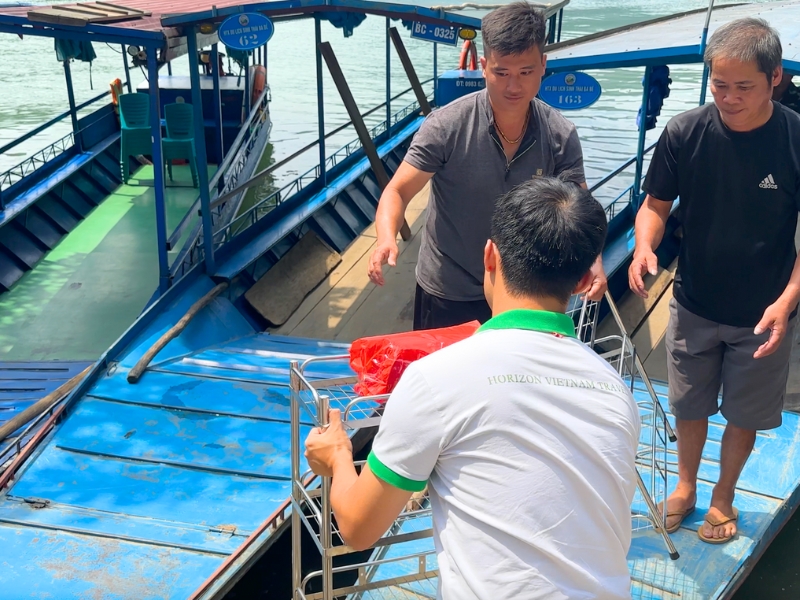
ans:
x=703 y=355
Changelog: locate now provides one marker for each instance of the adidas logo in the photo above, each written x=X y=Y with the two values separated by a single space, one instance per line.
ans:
x=768 y=183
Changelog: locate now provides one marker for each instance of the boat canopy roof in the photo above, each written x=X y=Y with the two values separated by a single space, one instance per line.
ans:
x=152 y=22
x=674 y=39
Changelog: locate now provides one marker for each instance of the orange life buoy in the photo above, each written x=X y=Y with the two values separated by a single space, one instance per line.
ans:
x=259 y=78
x=468 y=48
x=116 y=91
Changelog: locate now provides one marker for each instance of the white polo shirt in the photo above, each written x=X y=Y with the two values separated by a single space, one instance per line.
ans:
x=527 y=439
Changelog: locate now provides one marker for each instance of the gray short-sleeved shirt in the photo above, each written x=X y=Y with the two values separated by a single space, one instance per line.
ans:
x=458 y=143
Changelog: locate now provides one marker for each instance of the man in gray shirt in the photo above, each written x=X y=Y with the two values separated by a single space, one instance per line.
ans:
x=473 y=151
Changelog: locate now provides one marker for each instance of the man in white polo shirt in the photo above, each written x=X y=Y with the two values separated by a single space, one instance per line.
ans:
x=525 y=437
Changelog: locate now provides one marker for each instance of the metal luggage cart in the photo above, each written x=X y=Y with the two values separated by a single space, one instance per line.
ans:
x=311 y=505
x=652 y=454
x=414 y=565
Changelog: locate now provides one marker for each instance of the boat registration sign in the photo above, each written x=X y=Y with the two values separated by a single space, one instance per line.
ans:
x=570 y=91
x=434 y=33
x=246 y=31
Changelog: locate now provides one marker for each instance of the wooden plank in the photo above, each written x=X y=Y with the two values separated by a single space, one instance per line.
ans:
x=633 y=309
x=57 y=17
x=325 y=311
x=284 y=287
x=82 y=14
x=656 y=364
x=387 y=309
x=122 y=9
x=652 y=331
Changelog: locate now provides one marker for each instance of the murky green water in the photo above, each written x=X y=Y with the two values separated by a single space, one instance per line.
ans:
x=32 y=87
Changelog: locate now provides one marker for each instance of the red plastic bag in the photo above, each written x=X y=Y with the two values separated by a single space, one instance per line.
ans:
x=379 y=361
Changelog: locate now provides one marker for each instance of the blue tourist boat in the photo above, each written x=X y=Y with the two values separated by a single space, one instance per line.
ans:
x=173 y=467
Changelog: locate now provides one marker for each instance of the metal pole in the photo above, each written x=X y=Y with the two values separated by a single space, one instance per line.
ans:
x=169 y=68
x=200 y=143
x=327 y=516
x=388 y=76
x=637 y=182
x=294 y=408
x=73 y=113
x=246 y=84
x=217 y=106
x=158 y=173
x=435 y=69
x=409 y=69
x=367 y=143
x=704 y=82
x=127 y=69
x=320 y=101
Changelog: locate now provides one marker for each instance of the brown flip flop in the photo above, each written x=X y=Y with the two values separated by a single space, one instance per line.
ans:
x=716 y=523
x=677 y=513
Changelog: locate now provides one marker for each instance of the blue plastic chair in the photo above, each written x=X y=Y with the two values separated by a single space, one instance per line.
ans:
x=179 y=143
x=134 y=117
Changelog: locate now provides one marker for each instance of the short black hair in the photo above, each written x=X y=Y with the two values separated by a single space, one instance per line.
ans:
x=513 y=29
x=548 y=232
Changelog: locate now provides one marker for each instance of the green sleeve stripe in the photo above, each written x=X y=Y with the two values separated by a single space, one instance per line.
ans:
x=383 y=472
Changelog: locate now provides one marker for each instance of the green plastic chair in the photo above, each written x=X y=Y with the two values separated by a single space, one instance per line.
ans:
x=134 y=117
x=179 y=143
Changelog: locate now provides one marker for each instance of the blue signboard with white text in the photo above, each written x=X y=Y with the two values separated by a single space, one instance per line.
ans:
x=246 y=31
x=570 y=91
x=434 y=33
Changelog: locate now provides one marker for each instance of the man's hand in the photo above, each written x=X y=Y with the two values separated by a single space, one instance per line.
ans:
x=776 y=320
x=385 y=252
x=644 y=261
x=599 y=283
x=325 y=446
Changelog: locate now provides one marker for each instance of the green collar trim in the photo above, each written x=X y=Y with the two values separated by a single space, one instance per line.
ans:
x=534 y=320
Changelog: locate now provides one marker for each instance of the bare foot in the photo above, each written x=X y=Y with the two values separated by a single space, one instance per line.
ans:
x=679 y=501
x=721 y=509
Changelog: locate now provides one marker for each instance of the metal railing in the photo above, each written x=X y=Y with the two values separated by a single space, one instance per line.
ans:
x=36 y=160
x=625 y=197
x=238 y=163
x=266 y=204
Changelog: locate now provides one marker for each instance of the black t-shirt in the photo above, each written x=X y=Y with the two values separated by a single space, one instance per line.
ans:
x=739 y=194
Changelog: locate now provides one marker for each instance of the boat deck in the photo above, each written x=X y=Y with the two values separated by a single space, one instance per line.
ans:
x=96 y=281
x=23 y=383
x=164 y=479
x=182 y=480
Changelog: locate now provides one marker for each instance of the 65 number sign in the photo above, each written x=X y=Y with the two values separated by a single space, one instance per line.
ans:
x=246 y=31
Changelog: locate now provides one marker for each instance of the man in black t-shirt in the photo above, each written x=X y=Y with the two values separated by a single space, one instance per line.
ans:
x=735 y=165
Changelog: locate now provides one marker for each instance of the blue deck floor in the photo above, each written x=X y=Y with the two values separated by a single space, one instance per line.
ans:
x=23 y=383
x=146 y=490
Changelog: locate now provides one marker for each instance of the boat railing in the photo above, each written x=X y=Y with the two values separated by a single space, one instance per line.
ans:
x=36 y=160
x=625 y=197
x=264 y=205
x=251 y=137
